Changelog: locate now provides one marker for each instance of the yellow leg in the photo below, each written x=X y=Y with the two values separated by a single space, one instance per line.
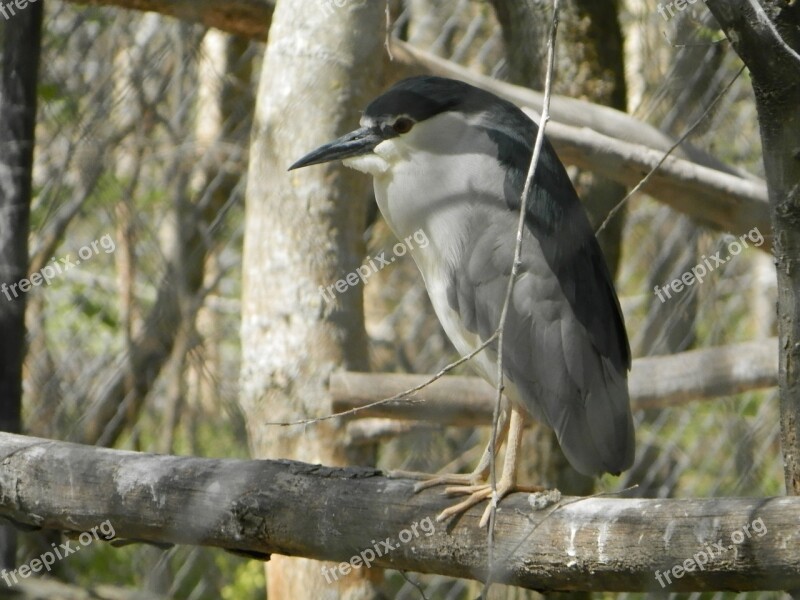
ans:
x=510 y=427
x=480 y=474
x=506 y=484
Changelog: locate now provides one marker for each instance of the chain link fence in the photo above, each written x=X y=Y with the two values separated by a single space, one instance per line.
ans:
x=142 y=136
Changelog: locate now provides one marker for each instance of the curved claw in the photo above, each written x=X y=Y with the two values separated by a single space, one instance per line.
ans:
x=477 y=494
x=474 y=498
x=429 y=480
x=457 y=479
x=474 y=483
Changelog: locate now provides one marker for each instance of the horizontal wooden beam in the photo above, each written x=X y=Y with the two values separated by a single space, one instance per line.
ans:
x=349 y=515
x=248 y=18
x=655 y=382
x=713 y=198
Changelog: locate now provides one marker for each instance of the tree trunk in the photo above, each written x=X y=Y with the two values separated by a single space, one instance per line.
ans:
x=305 y=230
x=766 y=35
x=21 y=49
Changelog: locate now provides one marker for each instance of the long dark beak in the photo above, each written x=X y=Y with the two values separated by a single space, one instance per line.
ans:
x=358 y=142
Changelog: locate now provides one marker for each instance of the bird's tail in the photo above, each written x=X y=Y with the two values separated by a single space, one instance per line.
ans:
x=596 y=434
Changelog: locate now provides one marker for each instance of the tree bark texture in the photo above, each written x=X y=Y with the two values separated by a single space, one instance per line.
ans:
x=766 y=35
x=303 y=231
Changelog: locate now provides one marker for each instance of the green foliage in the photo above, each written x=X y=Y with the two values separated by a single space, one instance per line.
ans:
x=248 y=581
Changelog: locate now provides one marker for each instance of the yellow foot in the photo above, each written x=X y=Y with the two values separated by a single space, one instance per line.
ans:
x=460 y=483
x=474 y=484
x=429 y=480
x=479 y=493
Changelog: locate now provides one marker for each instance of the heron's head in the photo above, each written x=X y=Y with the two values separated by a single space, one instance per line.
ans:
x=434 y=115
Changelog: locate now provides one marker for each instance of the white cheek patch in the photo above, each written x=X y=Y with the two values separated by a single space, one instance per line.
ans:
x=391 y=151
x=372 y=164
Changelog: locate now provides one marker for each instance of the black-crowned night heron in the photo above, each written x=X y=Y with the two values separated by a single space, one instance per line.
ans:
x=451 y=159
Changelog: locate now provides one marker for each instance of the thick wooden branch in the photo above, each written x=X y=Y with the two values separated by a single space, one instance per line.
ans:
x=713 y=198
x=655 y=382
x=265 y=507
x=248 y=18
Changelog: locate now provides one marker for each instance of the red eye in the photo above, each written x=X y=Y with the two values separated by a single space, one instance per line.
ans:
x=402 y=125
